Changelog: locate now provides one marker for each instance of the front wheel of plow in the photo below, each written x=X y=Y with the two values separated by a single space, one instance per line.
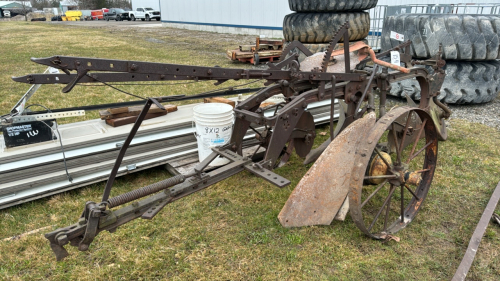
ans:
x=393 y=171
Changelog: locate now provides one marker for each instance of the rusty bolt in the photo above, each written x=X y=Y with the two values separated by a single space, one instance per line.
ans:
x=209 y=72
x=133 y=67
x=78 y=62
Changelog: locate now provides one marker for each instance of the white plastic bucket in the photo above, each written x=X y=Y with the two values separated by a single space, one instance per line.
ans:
x=214 y=126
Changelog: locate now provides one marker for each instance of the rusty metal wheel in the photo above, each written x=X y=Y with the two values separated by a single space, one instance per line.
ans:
x=391 y=175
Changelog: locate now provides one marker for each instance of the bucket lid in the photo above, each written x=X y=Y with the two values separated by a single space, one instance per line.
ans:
x=213 y=109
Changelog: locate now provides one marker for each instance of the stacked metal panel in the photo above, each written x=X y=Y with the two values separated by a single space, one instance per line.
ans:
x=91 y=147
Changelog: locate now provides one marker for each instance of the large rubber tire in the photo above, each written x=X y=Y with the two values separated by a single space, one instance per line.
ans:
x=464 y=37
x=320 y=27
x=321 y=47
x=465 y=83
x=148 y=18
x=330 y=5
x=132 y=17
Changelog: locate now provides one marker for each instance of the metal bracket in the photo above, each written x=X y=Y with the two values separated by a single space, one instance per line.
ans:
x=266 y=174
x=47 y=116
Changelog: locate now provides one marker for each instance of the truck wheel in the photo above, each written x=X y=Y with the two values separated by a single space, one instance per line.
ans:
x=107 y=19
x=330 y=5
x=465 y=83
x=148 y=18
x=158 y=19
x=464 y=37
x=320 y=27
x=132 y=17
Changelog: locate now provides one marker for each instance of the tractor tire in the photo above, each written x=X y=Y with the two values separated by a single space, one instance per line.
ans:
x=316 y=48
x=465 y=83
x=330 y=5
x=320 y=27
x=463 y=37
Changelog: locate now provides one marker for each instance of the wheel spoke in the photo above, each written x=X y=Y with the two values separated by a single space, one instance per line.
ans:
x=380 y=177
x=418 y=152
x=402 y=204
x=413 y=193
x=422 y=171
x=398 y=155
x=382 y=208
x=405 y=131
x=387 y=209
x=416 y=140
x=373 y=193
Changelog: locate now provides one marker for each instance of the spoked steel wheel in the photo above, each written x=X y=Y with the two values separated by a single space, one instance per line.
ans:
x=393 y=171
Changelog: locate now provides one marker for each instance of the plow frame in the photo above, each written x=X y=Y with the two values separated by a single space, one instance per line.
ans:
x=279 y=135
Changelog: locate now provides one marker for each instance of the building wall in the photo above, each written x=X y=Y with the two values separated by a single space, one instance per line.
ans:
x=425 y=2
x=256 y=17
x=155 y=4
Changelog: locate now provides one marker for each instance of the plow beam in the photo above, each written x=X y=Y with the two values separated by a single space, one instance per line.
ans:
x=322 y=191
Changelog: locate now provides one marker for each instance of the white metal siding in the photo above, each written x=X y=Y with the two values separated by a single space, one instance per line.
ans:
x=433 y=2
x=263 y=13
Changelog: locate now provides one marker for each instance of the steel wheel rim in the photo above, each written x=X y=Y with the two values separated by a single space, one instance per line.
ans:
x=358 y=195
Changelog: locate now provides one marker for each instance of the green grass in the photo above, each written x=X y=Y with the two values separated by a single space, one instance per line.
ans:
x=230 y=231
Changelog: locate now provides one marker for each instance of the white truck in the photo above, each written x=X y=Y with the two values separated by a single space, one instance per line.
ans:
x=145 y=14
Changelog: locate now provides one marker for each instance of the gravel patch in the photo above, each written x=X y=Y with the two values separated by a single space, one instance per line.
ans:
x=485 y=113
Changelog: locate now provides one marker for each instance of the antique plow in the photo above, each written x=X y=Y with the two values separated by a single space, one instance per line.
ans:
x=382 y=162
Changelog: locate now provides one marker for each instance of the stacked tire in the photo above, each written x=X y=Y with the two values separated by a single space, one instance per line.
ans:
x=471 y=48
x=315 y=22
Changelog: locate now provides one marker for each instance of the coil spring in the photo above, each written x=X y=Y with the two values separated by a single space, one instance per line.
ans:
x=144 y=191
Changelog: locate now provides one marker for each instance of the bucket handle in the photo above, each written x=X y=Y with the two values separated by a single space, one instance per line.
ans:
x=194 y=126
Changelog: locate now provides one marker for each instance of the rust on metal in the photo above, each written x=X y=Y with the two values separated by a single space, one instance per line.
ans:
x=368 y=223
x=321 y=192
x=464 y=266
x=341 y=168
